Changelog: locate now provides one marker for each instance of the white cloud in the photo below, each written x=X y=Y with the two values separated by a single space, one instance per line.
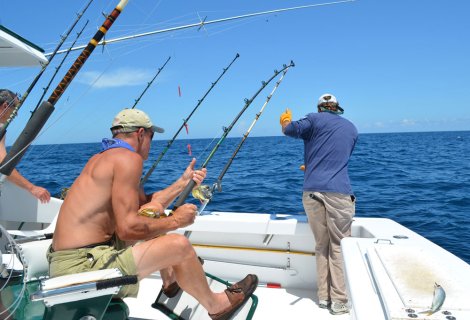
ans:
x=407 y=122
x=379 y=124
x=121 y=77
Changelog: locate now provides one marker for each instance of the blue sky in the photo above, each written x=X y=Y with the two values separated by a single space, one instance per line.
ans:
x=395 y=66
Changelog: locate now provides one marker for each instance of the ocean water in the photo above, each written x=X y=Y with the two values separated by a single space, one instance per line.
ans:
x=421 y=180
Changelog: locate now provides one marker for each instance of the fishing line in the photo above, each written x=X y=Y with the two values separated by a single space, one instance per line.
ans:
x=150 y=83
x=42 y=114
x=232 y=25
x=11 y=244
x=7 y=75
x=150 y=42
x=15 y=249
x=58 y=68
x=130 y=29
x=207 y=147
x=248 y=102
x=185 y=121
x=149 y=13
x=44 y=92
x=36 y=79
x=123 y=50
x=199 y=24
x=48 y=150
x=207 y=192
x=68 y=108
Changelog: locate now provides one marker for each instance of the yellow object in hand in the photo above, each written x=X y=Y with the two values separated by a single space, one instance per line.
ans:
x=286 y=116
x=149 y=212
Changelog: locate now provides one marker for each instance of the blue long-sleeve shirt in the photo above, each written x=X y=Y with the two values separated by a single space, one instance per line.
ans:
x=329 y=141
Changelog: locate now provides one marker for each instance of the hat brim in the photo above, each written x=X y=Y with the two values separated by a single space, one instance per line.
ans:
x=157 y=129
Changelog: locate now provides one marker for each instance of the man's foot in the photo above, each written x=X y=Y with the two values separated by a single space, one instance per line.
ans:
x=324 y=304
x=237 y=295
x=172 y=290
x=339 y=308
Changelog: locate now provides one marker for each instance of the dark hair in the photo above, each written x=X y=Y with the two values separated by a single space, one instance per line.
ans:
x=6 y=95
x=332 y=107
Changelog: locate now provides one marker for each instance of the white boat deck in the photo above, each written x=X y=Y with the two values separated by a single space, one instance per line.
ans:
x=273 y=303
x=389 y=268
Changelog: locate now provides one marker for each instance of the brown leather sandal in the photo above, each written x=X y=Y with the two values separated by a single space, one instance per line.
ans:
x=172 y=290
x=237 y=294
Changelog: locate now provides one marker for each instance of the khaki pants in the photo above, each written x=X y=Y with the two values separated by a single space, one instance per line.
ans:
x=330 y=218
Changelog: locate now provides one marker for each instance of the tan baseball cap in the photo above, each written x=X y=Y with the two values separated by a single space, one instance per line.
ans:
x=130 y=120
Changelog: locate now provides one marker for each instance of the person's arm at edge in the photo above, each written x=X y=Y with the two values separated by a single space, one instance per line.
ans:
x=284 y=124
x=285 y=119
x=15 y=177
x=298 y=128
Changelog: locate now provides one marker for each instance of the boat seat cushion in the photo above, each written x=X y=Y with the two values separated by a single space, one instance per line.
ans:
x=33 y=256
x=57 y=285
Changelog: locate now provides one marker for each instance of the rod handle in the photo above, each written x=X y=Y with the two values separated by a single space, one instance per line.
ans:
x=184 y=195
x=115 y=282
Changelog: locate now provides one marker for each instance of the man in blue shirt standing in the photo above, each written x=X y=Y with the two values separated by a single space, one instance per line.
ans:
x=328 y=200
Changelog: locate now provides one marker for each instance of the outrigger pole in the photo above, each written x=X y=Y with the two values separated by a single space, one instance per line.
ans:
x=192 y=184
x=218 y=184
x=39 y=118
x=185 y=121
x=31 y=86
x=58 y=68
x=202 y=23
x=150 y=83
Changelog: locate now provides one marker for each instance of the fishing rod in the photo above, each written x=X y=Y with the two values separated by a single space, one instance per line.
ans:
x=42 y=114
x=150 y=83
x=58 y=68
x=31 y=86
x=185 y=121
x=204 y=192
x=192 y=183
x=202 y=23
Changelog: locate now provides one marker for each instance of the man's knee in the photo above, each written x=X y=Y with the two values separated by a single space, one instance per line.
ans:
x=181 y=246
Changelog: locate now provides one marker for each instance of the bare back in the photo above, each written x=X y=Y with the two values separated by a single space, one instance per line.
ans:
x=86 y=216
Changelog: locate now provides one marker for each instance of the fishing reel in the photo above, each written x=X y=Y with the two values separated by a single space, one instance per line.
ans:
x=202 y=193
x=205 y=193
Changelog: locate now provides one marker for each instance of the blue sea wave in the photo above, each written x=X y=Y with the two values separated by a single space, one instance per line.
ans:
x=421 y=180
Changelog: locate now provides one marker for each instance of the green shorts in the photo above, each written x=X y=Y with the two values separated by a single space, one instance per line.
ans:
x=88 y=259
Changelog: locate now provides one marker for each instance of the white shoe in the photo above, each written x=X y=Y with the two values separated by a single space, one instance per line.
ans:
x=324 y=304
x=339 y=308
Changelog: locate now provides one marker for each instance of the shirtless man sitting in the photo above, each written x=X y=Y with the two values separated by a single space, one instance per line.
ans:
x=99 y=220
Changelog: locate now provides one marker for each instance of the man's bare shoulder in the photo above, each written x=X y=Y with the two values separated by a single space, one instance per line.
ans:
x=122 y=160
x=119 y=155
x=108 y=162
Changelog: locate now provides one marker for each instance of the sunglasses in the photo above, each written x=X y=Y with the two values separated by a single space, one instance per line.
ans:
x=151 y=133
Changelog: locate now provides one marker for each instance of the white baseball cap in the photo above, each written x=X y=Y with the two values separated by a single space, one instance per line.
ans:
x=327 y=97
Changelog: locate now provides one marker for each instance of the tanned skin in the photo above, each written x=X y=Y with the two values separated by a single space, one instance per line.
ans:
x=104 y=200
x=15 y=177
